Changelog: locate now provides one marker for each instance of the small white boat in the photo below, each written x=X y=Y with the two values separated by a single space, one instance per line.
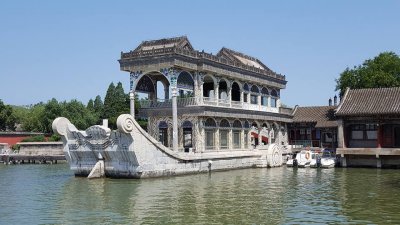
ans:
x=302 y=159
x=328 y=159
x=324 y=159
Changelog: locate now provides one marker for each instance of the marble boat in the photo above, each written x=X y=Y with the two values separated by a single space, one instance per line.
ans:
x=205 y=112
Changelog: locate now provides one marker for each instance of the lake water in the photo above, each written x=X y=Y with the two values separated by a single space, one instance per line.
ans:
x=50 y=194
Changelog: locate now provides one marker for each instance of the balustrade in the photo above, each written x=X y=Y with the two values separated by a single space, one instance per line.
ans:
x=193 y=101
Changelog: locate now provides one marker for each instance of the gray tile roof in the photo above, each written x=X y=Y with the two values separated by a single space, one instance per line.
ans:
x=368 y=102
x=182 y=42
x=323 y=116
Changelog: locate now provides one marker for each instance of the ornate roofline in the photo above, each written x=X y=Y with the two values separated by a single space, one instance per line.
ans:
x=179 y=48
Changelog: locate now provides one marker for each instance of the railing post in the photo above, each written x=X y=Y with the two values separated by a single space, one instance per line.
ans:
x=174 y=120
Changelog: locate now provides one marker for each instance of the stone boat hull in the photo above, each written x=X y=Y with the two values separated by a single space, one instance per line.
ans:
x=130 y=152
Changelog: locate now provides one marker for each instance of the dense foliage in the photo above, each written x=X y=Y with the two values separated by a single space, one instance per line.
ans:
x=7 y=118
x=382 y=71
x=39 y=117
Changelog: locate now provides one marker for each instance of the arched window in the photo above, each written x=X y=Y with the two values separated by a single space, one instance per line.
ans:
x=223 y=90
x=224 y=124
x=163 y=133
x=274 y=98
x=235 y=92
x=254 y=134
x=264 y=134
x=264 y=96
x=224 y=133
x=210 y=123
x=246 y=125
x=255 y=92
x=273 y=133
x=185 y=85
x=209 y=127
x=187 y=135
x=237 y=134
x=208 y=87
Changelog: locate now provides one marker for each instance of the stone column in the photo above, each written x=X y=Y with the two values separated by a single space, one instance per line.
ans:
x=242 y=140
x=174 y=120
x=340 y=135
x=269 y=102
x=230 y=96
x=259 y=101
x=216 y=139
x=132 y=103
x=216 y=93
x=230 y=139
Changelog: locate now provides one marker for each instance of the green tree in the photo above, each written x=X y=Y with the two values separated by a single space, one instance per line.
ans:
x=109 y=100
x=78 y=114
x=98 y=105
x=382 y=71
x=115 y=104
x=52 y=110
x=33 y=119
x=7 y=117
x=90 y=105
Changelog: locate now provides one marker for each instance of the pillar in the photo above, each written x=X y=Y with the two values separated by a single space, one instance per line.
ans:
x=174 y=120
x=259 y=101
x=343 y=161
x=201 y=94
x=230 y=139
x=132 y=103
x=230 y=96
x=269 y=102
x=340 y=135
x=217 y=137
x=379 y=136
x=216 y=93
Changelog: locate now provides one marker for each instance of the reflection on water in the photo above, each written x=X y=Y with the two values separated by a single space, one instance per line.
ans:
x=48 y=194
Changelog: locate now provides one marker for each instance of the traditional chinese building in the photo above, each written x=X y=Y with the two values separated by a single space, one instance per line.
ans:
x=314 y=127
x=199 y=102
x=369 y=127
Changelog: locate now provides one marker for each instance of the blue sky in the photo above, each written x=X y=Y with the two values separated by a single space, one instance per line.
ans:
x=69 y=49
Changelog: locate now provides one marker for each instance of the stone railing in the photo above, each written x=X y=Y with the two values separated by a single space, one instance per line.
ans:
x=167 y=103
x=41 y=148
x=199 y=55
x=207 y=101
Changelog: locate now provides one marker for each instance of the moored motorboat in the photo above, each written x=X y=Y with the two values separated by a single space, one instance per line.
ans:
x=324 y=159
x=302 y=159
x=328 y=159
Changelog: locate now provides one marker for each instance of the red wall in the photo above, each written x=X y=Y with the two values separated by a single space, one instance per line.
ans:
x=11 y=140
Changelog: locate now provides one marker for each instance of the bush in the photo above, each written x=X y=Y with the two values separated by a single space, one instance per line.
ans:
x=37 y=138
x=15 y=147
x=54 y=137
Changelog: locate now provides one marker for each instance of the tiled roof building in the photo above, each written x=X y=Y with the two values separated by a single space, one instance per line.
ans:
x=372 y=101
x=369 y=127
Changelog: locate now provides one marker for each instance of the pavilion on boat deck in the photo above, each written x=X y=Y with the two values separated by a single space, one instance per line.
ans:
x=199 y=102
